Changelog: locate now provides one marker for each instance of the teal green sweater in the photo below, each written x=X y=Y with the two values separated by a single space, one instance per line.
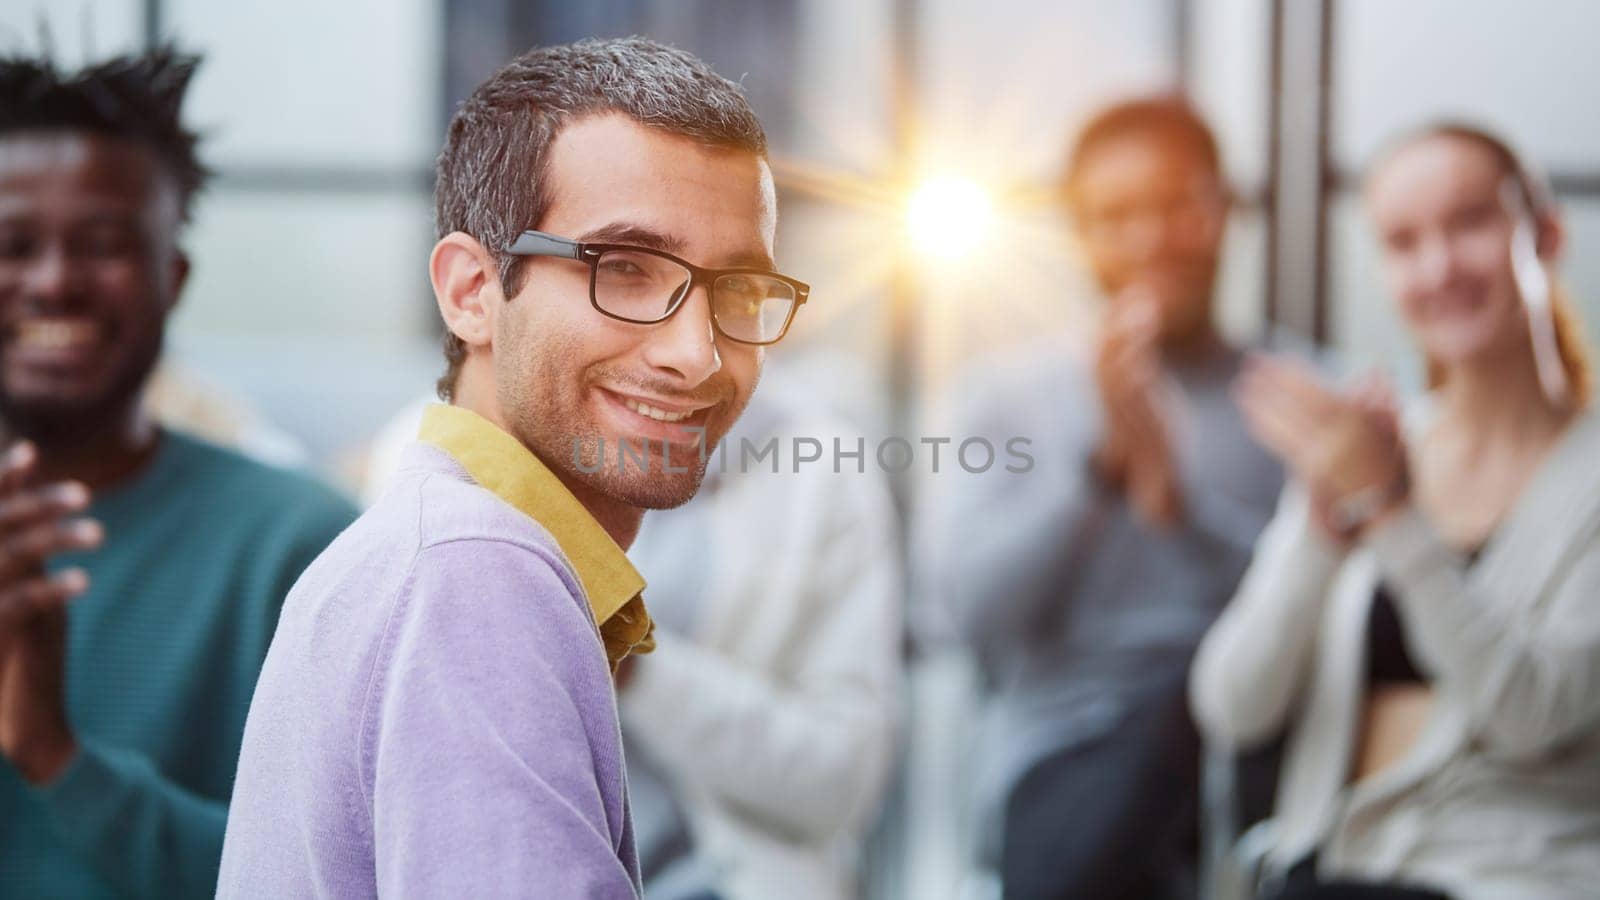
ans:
x=162 y=658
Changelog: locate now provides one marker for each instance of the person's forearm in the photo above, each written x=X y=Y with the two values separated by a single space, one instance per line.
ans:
x=1254 y=660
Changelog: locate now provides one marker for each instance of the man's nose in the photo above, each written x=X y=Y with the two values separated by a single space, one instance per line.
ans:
x=1152 y=235
x=49 y=276
x=686 y=344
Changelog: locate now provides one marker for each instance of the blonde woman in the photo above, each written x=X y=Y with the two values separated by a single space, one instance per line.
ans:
x=1423 y=616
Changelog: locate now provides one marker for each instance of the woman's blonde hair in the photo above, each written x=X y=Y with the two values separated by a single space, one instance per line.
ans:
x=1576 y=355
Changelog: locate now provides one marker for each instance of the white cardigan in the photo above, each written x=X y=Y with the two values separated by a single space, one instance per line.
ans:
x=775 y=720
x=1500 y=795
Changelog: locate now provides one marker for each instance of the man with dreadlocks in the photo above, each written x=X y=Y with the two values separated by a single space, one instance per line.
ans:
x=121 y=711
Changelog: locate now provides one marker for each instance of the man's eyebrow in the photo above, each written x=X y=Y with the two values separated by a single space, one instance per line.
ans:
x=651 y=239
x=752 y=260
x=637 y=235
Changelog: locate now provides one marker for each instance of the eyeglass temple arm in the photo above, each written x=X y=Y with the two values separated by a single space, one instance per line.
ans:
x=537 y=243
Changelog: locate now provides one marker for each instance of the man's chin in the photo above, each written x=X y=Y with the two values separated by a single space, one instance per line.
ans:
x=652 y=488
x=662 y=492
x=56 y=417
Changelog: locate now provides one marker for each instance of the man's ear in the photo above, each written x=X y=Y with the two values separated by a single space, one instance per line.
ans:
x=467 y=287
x=177 y=276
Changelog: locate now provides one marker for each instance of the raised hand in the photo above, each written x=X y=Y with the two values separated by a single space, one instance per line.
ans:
x=36 y=523
x=1344 y=446
x=1136 y=452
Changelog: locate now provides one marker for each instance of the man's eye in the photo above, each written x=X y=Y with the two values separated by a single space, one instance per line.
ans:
x=104 y=242
x=16 y=245
x=620 y=267
x=1400 y=242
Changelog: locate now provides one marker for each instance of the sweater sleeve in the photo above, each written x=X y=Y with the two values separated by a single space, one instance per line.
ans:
x=143 y=832
x=1531 y=681
x=479 y=746
x=1256 y=659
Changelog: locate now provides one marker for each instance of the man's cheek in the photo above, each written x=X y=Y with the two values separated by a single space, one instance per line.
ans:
x=128 y=281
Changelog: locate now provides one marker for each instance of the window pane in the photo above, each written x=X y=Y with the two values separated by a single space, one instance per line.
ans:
x=1525 y=68
x=308 y=82
x=309 y=263
x=80 y=30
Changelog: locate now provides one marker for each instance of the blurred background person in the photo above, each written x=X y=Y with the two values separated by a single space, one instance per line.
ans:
x=120 y=712
x=768 y=710
x=1084 y=586
x=1422 y=616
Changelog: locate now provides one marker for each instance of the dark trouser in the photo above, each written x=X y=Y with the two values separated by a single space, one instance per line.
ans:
x=1302 y=884
x=1113 y=818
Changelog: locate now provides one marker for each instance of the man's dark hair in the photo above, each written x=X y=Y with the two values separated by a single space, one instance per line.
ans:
x=1168 y=120
x=491 y=171
x=131 y=98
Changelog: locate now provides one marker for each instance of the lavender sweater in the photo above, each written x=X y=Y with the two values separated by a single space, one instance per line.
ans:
x=435 y=717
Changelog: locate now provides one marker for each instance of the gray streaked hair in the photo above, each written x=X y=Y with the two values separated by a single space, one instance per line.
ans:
x=491 y=171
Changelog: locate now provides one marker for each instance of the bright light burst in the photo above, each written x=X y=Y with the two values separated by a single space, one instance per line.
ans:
x=948 y=216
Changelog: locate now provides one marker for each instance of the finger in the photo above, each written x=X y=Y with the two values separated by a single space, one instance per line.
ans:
x=1262 y=389
x=1144 y=320
x=1262 y=417
x=1139 y=298
x=1115 y=335
x=1133 y=316
x=17 y=465
x=27 y=506
x=1362 y=384
x=1304 y=386
x=1386 y=414
x=1366 y=398
x=1383 y=396
x=1295 y=395
x=1131 y=372
x=1273 y=419
x=1127 y=379
x=23 y=600
x=1287 y=374
x=1137 y=410
x=37 y=542
x=1377 y=411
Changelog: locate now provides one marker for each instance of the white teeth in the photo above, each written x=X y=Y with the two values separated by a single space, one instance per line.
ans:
x=56 y=334
x=660 y=415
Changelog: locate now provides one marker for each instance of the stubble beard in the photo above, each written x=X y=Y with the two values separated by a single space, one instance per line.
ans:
x=547 y=407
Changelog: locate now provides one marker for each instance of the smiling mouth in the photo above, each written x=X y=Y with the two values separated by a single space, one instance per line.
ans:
x=1457 y=303
x=656 y=421
x=54 y=334
x=652 y=412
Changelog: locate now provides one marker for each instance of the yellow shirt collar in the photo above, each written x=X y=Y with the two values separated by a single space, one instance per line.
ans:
x=502 y=465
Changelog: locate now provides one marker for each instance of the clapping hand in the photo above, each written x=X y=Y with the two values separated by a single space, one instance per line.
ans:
x=36 y=523
x=1136 y=453
x=1344 y=446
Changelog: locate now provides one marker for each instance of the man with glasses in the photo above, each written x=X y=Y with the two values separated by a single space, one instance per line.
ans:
x=436 y=716
x=1100 y=570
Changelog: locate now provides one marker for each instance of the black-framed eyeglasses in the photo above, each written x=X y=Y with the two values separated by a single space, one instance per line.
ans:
x=645 y=286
